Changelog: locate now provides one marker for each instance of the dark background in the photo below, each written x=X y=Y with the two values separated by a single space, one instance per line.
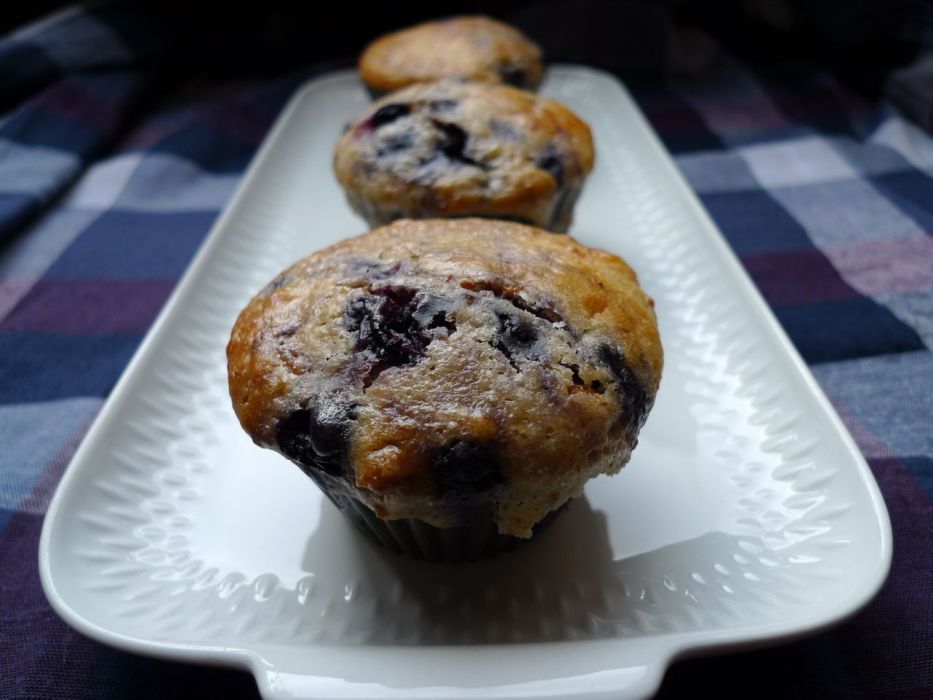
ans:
x=862 y=40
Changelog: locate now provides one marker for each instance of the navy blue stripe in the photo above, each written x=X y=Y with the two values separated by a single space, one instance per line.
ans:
x=46 y=366
x=15 y=209
x=912 y=192
x=210 y=148
x=753 y=222
x=78 y=115
x=127 y=244
x=922 y=469
x=827 y=331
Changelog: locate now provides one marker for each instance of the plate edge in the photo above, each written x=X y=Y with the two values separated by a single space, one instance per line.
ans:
x=678 y=647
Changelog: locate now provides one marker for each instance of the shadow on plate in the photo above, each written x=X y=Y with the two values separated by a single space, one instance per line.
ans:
x=565 y=584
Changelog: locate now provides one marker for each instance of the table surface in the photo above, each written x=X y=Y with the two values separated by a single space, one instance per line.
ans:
x=112 y=171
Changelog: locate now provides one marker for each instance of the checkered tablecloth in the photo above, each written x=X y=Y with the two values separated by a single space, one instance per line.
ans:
x=112 y=170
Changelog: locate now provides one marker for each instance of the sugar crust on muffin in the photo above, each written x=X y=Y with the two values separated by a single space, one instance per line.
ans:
x=451 y=149
x=432 y=366
x=476 y=48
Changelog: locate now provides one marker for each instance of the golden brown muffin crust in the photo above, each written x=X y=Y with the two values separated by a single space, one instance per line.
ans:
x=444 y=360
x=465 y=149
x=474 y=48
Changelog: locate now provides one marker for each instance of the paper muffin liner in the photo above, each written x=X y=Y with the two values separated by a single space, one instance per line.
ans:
x=477 y=538
x=562 y=210
x=376 y=95
x=558 y=221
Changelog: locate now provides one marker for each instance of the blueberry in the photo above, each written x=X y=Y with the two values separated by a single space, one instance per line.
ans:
x=389 y=113
x=452 y=142
x=396 y=307
x=553 y=163
x=435 y=312
x=633 y=396
x=515 y=336
x=315 y=437
x=384 y=324
x=513 y=75
x=517 y=332
x=391 y=324
x=466 y=471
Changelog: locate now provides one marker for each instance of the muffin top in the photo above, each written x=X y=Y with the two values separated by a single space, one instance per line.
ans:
x=476 y=48
x=459 y=148
x=432 y=367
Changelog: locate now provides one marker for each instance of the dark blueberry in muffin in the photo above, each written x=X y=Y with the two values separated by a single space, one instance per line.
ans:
x=315 y=438
x=436 y=312
x=515 y=336
x=466 y=470
x=452 y=142
x=386 y=328
x=635 y=400
x=388 y=114
x=514 y=75
x=553 y=163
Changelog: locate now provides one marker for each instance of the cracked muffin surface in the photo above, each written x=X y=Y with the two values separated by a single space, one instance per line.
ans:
x=454 y=149
x=475 y=48
x=432 y=368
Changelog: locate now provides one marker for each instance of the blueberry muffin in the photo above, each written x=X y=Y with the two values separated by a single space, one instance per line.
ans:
x=449 y=383
x=452 y=149
x=474 y=48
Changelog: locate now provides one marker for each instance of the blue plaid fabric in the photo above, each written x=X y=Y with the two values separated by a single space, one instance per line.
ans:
x=112 y=170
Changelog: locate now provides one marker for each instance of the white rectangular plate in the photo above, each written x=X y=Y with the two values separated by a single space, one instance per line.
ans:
x=746 y=515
